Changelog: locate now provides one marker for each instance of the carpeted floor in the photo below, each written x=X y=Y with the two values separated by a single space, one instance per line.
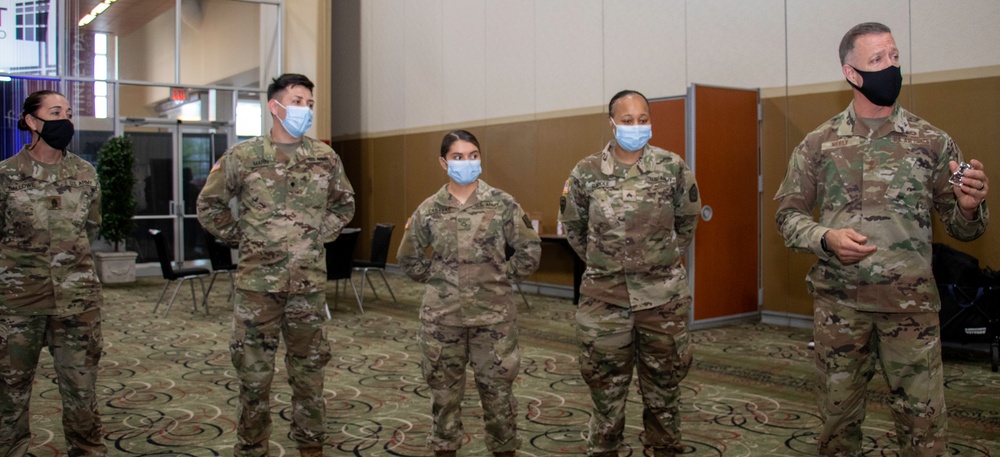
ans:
x=167 y=386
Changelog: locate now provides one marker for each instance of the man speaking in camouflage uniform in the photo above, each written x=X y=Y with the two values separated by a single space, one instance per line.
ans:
x=630 y=212
x=875 y=171
x=292 y=196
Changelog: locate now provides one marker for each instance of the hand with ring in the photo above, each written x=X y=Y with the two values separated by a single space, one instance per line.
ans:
x=972 y=189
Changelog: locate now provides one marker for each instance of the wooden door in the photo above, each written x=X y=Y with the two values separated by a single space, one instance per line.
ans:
x=723 y=151
x=667 y=117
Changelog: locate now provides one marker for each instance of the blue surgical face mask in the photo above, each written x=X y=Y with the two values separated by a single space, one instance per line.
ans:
x=464 y=171
x=297 y=119
x=632 y=137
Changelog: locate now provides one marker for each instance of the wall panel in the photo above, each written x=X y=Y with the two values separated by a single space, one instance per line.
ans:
x=384 y=67
x=510 y=58
x=962 y=35
x=568 y=54
x=736 y=43
x=651 y=62
x=815 y=29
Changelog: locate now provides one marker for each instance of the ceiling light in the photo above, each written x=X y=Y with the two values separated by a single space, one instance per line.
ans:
x=86 y=19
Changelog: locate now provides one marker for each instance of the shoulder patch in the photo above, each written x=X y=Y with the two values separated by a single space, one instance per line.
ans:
x=527 y=221
x=407 y=226
x=693 y=193
x=562 y=204
x=566 y=187
x=217 y=165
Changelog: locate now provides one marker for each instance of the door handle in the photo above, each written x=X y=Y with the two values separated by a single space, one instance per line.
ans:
x=706 y=213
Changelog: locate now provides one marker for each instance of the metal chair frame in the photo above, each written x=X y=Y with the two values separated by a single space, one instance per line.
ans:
x=381 y=239
x=175 y=274
x=221 y=258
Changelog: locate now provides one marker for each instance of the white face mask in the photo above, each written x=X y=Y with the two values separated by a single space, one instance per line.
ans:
x=297 y=119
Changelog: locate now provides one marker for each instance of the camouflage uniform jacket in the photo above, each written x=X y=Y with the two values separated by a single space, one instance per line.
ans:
x=632 y=225
x=48 y=215
x=883 y=185
x=286 y=212
x=468 y=275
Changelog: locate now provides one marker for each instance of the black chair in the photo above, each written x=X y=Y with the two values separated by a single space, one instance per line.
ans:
x=380 y=252
x=175 y=274
x=340 y=264
x=221 y=257
x=508 y=252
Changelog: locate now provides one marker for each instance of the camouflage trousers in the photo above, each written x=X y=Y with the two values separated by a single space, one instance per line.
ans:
x=75 y=343
x=907 y=347
x=492 y=352
x=260 y=319
x=656 y=342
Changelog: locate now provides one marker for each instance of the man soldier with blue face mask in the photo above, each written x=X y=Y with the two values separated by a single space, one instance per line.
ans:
x=292 y=196
x=630 y=212
x=874 y=171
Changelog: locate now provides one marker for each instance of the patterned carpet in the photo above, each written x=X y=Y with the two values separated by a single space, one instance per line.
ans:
x=167 y=387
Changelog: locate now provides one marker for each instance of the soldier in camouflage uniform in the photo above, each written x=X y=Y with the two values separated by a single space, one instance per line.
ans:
x=875 y=171
x=630 y=212
x=468 y=314
x=50 y=210
x=292 y=197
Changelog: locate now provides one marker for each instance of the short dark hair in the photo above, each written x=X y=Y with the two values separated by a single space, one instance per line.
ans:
x=864 y=28
x=455 y=135
x=31 y=105
x=285 y=81
x=624 y=93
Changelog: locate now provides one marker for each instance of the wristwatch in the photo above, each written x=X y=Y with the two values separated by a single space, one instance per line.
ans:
x=822 y=244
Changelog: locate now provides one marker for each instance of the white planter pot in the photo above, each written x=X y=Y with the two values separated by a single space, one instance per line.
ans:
x=115 y=267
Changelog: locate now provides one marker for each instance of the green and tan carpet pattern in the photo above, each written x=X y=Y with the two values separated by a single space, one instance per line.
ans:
x=167 y=387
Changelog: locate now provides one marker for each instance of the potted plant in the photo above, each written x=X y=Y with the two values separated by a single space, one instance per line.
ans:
x=114 y=172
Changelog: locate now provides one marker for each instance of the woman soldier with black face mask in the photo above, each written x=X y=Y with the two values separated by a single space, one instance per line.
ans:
x=50 y=209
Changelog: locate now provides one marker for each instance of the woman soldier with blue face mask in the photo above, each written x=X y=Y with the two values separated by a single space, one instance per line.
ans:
x=630 y=212
x=468 y=314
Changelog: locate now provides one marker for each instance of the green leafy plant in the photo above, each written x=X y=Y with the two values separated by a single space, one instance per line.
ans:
x=114 y=171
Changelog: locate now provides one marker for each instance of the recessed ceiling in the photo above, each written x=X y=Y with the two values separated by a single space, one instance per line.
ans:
x=121 y=18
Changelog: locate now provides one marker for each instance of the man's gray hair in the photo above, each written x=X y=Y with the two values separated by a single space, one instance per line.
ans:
x=866 y=28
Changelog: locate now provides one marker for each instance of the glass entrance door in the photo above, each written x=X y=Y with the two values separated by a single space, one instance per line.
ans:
x=172 y=162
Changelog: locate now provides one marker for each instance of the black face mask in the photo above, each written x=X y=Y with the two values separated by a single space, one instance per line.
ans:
x=880 y=87
x=56 y=133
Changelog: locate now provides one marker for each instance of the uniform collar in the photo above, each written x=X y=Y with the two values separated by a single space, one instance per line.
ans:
x=270 y=148
x=608 y=159
x=28 y=166
x=850 y=125
x=444 y=198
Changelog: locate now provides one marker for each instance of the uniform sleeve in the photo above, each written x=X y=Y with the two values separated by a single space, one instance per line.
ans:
x=340 y=203
x=94 y=213
x=687 y=207
x=523 y=238
x=221 y=186
x=947 y=204
x=412 y=253
x=574 y=213
x=796 y=198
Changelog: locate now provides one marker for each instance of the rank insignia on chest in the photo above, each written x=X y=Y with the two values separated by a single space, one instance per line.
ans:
x=55 y=202
x=628 y=195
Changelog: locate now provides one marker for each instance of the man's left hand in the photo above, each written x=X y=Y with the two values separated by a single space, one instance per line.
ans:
x=973 y=190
